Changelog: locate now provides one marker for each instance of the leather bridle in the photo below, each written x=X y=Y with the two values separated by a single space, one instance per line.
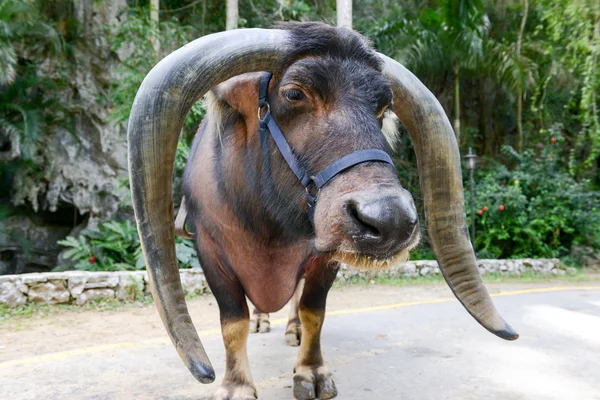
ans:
x=267 y=124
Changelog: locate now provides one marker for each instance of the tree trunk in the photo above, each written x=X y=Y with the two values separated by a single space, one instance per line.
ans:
x=344 y=13
x=203 y=17
x=456 y=123
x=521 y=141
x=154 y=7
x=484 y=118
x=232 y=15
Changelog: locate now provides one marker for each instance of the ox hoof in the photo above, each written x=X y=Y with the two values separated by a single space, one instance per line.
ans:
x=293 y=333
x=259 y=322
x=313 y=383
x=228 y=391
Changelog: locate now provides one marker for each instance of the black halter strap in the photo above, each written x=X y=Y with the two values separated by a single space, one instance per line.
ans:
x=267 y=124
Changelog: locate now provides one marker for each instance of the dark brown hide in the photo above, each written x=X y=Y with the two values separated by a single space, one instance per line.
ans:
x=267 y=269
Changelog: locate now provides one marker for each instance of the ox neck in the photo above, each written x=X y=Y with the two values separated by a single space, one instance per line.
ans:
x=268 y=127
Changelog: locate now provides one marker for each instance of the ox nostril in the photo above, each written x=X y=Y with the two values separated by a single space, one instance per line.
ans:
x=366 y=222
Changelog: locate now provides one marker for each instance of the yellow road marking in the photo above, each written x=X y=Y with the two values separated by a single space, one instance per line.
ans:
x=127 y=345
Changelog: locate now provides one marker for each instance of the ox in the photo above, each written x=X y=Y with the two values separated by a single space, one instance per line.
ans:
x=288 y=177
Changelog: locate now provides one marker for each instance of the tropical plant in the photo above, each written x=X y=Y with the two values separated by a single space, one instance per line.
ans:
x=445 y=41
x=571 y=30
x=534 y=209
x=25 y=43
x=135 y=36
x=138 y=35
x=22 y=31
x=32 y=72
x=115 y=246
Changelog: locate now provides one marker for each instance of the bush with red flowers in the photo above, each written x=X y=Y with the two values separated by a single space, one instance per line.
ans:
x=535 y=209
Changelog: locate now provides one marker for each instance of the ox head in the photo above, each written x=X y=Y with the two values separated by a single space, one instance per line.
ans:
x=330 y=99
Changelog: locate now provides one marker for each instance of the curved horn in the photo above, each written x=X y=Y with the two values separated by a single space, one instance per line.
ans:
x=441 y=180
x=161 y=104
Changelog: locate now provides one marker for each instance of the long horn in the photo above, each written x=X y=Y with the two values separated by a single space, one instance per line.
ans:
x=441 y=180
x=161 y=104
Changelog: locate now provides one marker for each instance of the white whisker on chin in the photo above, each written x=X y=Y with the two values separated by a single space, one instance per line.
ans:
x=364 y=262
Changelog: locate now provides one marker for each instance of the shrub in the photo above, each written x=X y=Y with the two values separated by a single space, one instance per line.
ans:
x=536 y=209
x=115 y=246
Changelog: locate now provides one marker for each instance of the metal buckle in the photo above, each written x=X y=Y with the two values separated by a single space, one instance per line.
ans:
x=312 y=200
x=260 y=108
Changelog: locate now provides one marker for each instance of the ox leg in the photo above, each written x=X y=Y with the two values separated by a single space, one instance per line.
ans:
x=293 y=332
x=235 y=317
x=259 y=322
x=312 y=380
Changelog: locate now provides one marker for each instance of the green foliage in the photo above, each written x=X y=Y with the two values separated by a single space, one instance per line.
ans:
x=464 y=50
x=265 y=13
x=115 y=246
x=134 y=38
x=28 y=106
x=441 y=40
x=186 y=254
x=572 y=33
x=33 y=74
x=22 y=31
x=536 y=208
x=423 y=252
x=27 y=110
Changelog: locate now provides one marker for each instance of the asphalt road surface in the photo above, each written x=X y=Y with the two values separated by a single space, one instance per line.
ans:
x=379 y=342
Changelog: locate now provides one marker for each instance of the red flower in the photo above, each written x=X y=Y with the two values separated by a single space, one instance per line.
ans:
x=553 y=140
x=501 y=207
x=550 y=156
x=480 y=212
x=484 y=208
x=92 y=260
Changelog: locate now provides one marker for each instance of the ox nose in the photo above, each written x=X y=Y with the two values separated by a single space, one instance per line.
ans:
x=383 y=225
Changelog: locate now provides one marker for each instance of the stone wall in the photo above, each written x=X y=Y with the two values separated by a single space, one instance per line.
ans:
x=551 y=266
x=79 y=287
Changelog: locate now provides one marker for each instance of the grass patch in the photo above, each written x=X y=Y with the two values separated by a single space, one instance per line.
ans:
x=37 y=311
x=399 y=281
x=527 y=277
x=532 y=277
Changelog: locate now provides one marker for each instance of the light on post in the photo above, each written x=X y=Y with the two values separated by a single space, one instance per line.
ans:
x=471 y=159
x=471 y=163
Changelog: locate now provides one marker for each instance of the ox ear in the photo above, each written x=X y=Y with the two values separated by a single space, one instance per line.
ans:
x=390 y=126
x=235 y=92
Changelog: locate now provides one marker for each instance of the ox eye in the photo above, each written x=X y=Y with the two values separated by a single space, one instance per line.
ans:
x=293 y=95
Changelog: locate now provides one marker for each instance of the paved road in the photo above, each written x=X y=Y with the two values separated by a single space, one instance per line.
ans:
x=417 y=350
